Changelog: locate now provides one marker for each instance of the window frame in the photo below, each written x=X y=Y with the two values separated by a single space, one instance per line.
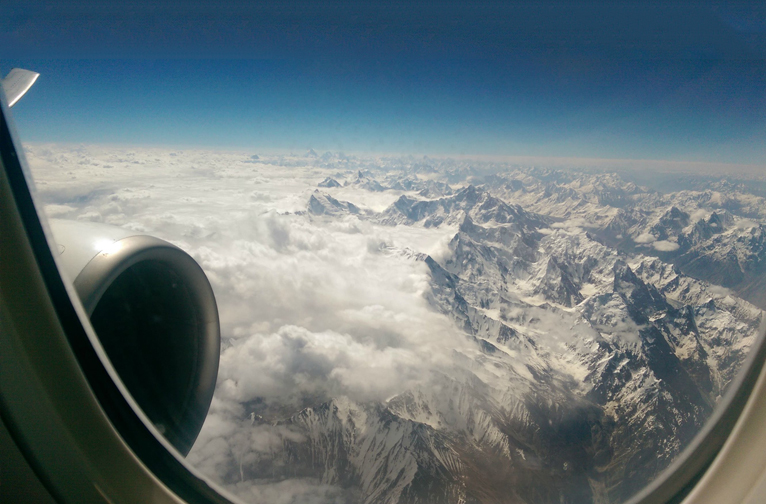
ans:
x=73 y=402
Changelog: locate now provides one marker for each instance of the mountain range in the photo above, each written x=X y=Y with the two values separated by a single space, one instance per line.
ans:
x=606 y=321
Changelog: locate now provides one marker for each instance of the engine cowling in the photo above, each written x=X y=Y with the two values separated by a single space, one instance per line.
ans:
x=155 y=314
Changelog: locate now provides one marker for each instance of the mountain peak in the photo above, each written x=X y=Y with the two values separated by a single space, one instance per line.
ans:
x=323 y=204
x=641 y=299
x=469 y=193
x=329 y=182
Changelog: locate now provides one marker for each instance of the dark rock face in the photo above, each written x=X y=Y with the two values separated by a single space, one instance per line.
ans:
x=558 y=285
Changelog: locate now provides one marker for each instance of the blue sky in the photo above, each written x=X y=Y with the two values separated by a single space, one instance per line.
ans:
x=562 y=79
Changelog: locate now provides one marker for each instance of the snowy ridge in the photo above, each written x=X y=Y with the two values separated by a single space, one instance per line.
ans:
x=587 y=352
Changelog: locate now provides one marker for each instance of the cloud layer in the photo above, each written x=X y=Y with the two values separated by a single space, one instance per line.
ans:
x=311 y=308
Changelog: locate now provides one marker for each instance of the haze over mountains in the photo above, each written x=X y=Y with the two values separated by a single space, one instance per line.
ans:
x=402 y=330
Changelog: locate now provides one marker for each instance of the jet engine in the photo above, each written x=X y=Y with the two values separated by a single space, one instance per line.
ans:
x=155 y=314
x=152 y=308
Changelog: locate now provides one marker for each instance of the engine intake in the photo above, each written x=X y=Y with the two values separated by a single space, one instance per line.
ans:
x=155 y=314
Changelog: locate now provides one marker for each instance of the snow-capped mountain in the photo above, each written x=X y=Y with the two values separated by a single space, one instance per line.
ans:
x=324 y=204
x=605 y=321
x=712 y=234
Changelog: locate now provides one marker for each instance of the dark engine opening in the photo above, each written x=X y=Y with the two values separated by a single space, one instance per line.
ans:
x=151 y=329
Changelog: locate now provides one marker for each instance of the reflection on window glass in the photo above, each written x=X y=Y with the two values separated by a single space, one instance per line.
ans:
x=441 y=278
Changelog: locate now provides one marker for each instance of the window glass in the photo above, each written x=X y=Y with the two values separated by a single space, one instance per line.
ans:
x=459 y=255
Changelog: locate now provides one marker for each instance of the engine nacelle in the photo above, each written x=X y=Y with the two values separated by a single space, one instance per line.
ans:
x=155 y=314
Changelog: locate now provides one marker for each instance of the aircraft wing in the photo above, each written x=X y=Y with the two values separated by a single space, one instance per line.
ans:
x=17 y=83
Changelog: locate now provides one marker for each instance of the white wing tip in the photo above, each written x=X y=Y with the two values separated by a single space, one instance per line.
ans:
x=17 y=83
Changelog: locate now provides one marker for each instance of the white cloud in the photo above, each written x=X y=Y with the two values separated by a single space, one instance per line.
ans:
x=574 y=223
x=665 y=246
x=310 y=308
x=644 y=238
x=699 y=214
x=58 y=210
x=719 y=291
x=745 y=223
x=293 y=362
x=293 y=491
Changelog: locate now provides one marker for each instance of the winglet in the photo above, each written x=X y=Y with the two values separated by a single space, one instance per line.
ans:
x=17 y=83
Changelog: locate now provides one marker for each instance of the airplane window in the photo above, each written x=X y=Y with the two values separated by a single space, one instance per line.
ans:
x=401 y=254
